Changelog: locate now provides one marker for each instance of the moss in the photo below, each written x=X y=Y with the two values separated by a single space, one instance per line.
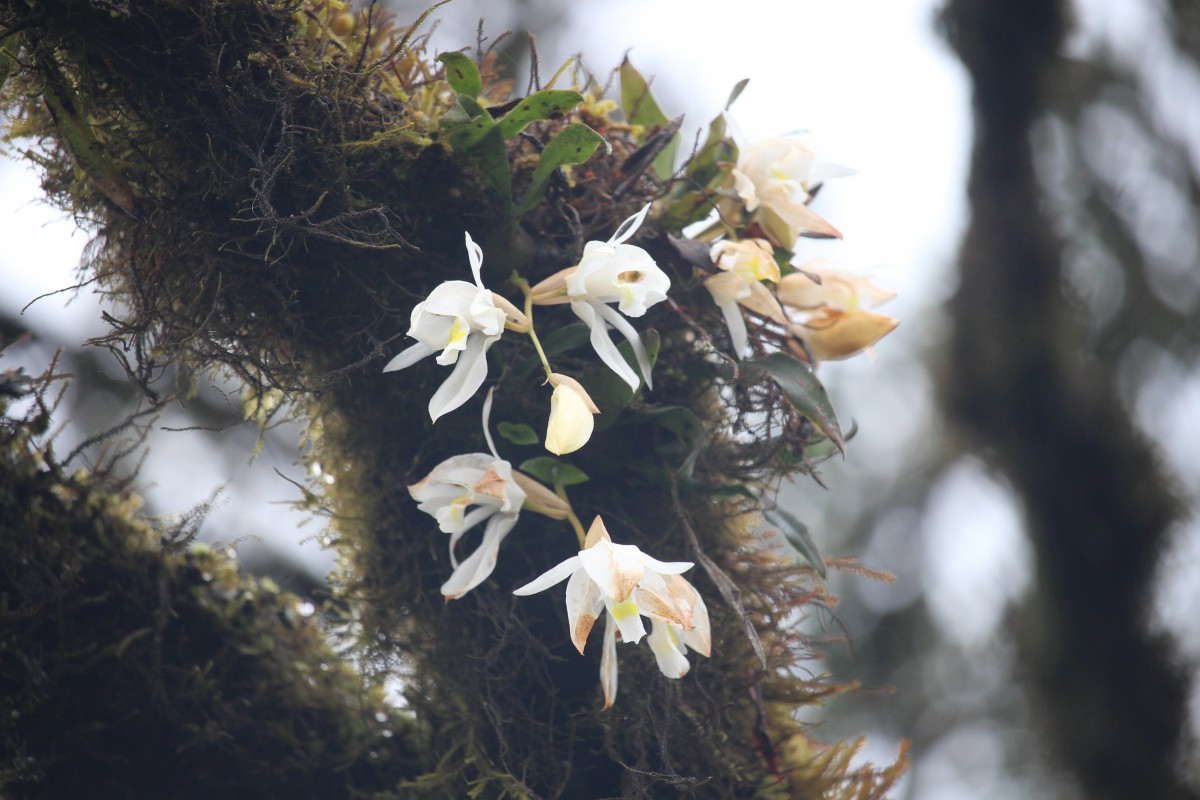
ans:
x=130 y=668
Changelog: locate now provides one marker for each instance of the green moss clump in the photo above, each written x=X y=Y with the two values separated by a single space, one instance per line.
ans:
x=129 y=668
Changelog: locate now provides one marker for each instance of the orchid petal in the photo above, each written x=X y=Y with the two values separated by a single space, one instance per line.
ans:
x=584 y=606
x=664 y=567
x=480 y=564
x=468 y=375
x=409 y=356
x=604 y=347
x=629 y=227
x=628 y=619
x=665 y=645
x=551 y=577
x=475 y=254
x=616 y=568
x=608 y=663
x=622 y=325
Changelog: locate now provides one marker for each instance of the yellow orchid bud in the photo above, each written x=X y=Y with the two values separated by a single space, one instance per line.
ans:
x=571 y=411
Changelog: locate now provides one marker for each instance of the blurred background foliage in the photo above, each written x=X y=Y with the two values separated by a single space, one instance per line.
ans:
x=1116 y=146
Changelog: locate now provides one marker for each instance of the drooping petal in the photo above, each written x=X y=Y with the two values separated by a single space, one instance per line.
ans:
x=409 y=356
x=468 y=375
x=480 y=564
x=665 y=645
x=551 y=577
x=736 y=323
x=699 y=638
x=635 y=340
x=584 y=606
x=762 y=302
x=608 y=663
x=604 y=347
x=470 y=520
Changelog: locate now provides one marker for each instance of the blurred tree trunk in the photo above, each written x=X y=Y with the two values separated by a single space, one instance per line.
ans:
x=1097 y=503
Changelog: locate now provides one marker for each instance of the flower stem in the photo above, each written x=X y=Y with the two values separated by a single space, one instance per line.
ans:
x=537 y=344
x=561 y=491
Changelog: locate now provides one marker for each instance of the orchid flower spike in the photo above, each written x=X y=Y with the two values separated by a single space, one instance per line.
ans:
x=463 y=321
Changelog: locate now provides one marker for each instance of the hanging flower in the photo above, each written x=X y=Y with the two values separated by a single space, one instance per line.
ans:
x=571 y=410
x=468 y=490
x=773 y=178
x=611 y=272
x=626 y=582
x=462 y=492
x=833 y=319
x=463 y=321
x=744 y=264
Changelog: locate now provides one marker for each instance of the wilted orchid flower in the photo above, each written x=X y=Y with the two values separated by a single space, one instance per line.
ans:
x=467 y=490
x=628 y=583
x=571 y=410
x=463 y=321
x=743 y=265
x=611 y=272
x=773 y=178
x=833 y=319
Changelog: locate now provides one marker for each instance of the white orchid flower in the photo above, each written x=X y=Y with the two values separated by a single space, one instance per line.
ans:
x=462 y=492
x=463 y=321
x=744 y=264
x=571 y=411
x=617 y=577
x=615 y=272
x=467 y=490
x=629 y=584
x=773 y=178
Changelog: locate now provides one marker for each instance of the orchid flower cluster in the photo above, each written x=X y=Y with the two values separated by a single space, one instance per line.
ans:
x=815 y=311
x=822 y=312
x=463 y=321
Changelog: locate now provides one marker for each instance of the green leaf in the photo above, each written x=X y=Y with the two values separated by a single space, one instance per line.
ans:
x=493 y=163
x=797 y=534
x=738 y=88
x=517 y=432
x=462 y=74
x=637 y=102
x=566 y=338
x=802 y=388
x=640 y=108
x=552 y=471
x=823 y=449
x=467 y=135
x=547 y=104
x=573 y=145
